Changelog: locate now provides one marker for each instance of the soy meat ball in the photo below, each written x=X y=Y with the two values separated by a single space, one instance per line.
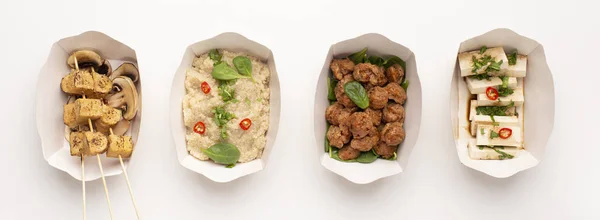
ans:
x=393 y=112
x=375 y=116
x=336 y=114
x=341 y=67
x=384 y=150
x=392 y=133
x=348 y=153
x=394 y=73
x=378 y=97
x=340 y=95
x=396 y=92
x=338 y=136
x=369 y=73
x=365 y=143
x=360 y=124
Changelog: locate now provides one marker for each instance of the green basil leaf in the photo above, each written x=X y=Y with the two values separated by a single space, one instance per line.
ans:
x=375 y=60
x=243 y=65
x=357 y=93
x=223 y=153
x=366 y=157
x=222 y=71
x=404 y=85
x=359 y=57
x=331 y=83
x=395 y=60
x=215 y=56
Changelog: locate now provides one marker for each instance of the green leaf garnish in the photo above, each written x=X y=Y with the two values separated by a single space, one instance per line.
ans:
x=394 y=60
x=215 y=56
x=404 y=85
x=503 y=92
x=222 y=71
x=493 y=134
x=482 y=50
x=223 y=153
x=244 y=66
x=512 y=58
x=366 y=157
x=482 y=131
x=331 y=83
x=357 y=93
x=375 y=60
x=359 y=57
x=493 y=121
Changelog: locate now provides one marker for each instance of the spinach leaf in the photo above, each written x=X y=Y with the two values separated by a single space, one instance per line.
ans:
x=222 y=71
x=223 y=153
x=334 y=154
x=395 y=60
x=244 y=66
x=393 y=157
x=366 y=157
x=357 y=94
x=327 y=146
x=375 y=60
x=512 y=58
x=331 y=83
x=404 y=85
x=230 y=166
x=215 y=56
x=359 y=57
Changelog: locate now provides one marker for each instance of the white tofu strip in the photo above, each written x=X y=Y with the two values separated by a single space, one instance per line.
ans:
x=487 y=120
x=473 y=110
x=479 y=86
x=484 y=131
x=517 y=97
x=487 y=153
x=465 y=60
x=519 y=69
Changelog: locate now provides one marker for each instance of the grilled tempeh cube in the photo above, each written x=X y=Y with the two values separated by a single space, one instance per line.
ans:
x=84 y=81
x=87 y=109
x=77 y=142
x=110 y=117
x=67 y=84
x=96 y=143
x=69 y=116
x=119 y=145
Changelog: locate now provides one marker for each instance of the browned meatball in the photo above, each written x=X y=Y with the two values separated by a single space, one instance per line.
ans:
x=337 y=113
x=341 y=67
x=366 y=143
x=394 y=73
x=348 y=153
x=338 y=136
x=393 y=112
x=378 y=97
x=369 y=73
x=384 y=150
x=392 y=133
x=396 y=92
x=375 y=116
x=360 y=124
x=340 y=95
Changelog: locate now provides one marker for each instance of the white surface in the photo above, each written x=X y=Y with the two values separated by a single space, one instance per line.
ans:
x=295 y=186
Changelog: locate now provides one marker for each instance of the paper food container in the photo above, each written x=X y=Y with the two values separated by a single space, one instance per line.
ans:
x=50 y=100
x=366 y=173
x=213 y=171
x=538 y=108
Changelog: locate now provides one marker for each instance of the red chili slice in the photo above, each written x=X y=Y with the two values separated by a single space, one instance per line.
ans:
x=205 y=87
x=491 y=93
x=505 y=133
x=199 y=128
x=245 y=124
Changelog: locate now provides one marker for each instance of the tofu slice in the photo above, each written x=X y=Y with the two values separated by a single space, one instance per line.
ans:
x=102 y=86
x=110 y=117
x=96 y=143
x=486 y=153
x=517 y=97
x=519 y=69
x=119 y=145
x=67 y=84
x=479 y=86
x=487 y=120
x=84 y=81
x=465 y=60
x=88 y=109
x=77 y=143
x=69 y=116
x=483 y=136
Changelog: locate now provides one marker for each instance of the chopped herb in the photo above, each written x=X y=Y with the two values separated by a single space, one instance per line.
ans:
x=480 y=147
x=247 y=101
x=493 y=121
x=512 y=58
x=503 y=155
x=481 y=76
x=503 y=92
x=482 y=131
x=259 y=99
x=495 y=65
x=504 y=81
x=230 y=165
x=494 y=134
x=226 y=92
x=221 y=118
x=486 y=61
x=215 y=56
x=404 y=85
x=495 y=110
x=482 y=50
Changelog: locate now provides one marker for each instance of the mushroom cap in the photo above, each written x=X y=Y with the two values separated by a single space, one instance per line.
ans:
x=85 y=58
x=121 y=127
x=127 y=70
x=105 y=68
x=126 y=98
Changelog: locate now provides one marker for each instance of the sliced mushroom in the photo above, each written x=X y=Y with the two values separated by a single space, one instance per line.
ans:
x=105 y=68
x=85 y=58
x=125 y=97
x=127 y=70
x=121 y=127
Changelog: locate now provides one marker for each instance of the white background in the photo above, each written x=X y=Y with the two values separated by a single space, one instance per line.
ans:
x=566 y=184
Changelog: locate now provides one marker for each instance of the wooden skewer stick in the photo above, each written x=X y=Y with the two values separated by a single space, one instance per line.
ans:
x=101 y=172
x=128 y=184
x=83 y=184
